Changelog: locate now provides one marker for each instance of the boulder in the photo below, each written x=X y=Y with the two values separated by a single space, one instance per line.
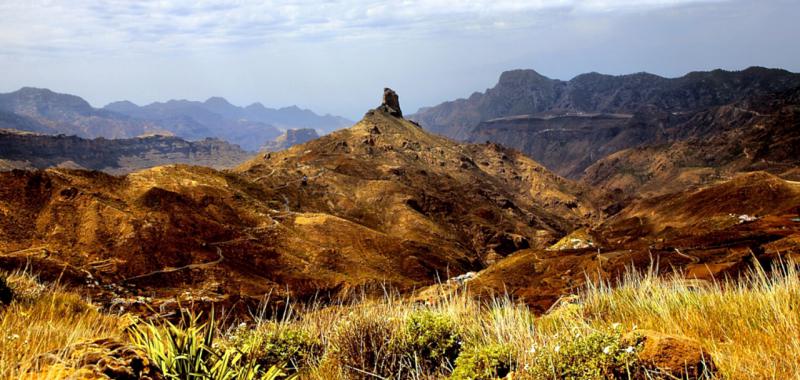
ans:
x=671 y=356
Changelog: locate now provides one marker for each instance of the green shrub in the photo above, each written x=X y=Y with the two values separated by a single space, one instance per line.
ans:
x=273 y=344
x=597 y=355
x=483 y=363
x=431 y=340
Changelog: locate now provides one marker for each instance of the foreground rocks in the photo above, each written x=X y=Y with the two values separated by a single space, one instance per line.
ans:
x=101 y=359
x=672 y=356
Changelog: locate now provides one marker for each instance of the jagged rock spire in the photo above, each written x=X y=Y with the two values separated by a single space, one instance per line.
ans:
x=391 y=103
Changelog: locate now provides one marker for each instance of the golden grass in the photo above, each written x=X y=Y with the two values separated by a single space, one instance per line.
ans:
x=750 y=326
x=46 y=321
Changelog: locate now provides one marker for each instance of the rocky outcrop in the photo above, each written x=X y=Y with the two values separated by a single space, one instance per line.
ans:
x=291 y=138
x=391 y=103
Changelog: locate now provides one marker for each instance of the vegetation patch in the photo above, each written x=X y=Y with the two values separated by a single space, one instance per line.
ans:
x=484 y=362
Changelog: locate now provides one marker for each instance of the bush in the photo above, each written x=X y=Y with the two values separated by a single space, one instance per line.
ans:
x=366 y=344
x=597 y=355
x=431 y=340
x=484 y=363
x=272 y=344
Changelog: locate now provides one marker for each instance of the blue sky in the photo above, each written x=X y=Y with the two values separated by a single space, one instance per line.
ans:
x=336 y=56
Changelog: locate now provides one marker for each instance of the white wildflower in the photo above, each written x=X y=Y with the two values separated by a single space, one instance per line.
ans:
x=615 y=325
x=629 y=349
x=558 y=348
x=607 y=350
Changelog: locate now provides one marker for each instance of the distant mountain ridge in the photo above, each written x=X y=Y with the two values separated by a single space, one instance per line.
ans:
x=27 y=150
x=45 y=111
x=526 y=92
x=217 y=110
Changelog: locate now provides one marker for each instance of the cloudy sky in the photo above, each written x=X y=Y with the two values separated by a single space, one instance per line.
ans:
x=336 y=56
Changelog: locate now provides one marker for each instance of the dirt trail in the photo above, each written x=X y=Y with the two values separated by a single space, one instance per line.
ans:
x=42 y=250
x=694 y=259
x=190 y=266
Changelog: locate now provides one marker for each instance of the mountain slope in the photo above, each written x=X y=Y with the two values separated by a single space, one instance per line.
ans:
x=382 y=203
x=757 y=134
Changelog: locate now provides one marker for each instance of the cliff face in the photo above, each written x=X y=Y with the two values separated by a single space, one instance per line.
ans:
x=117 y=156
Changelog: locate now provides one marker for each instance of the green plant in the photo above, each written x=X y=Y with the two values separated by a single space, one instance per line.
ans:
x=431 y=340
x=274 y=344
x=484 y=362
x=186 y=351
x=596 y=355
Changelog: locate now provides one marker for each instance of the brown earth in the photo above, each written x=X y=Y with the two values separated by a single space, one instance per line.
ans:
x=697 y=231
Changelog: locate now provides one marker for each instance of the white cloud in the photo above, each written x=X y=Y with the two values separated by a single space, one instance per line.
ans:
x=82 y=26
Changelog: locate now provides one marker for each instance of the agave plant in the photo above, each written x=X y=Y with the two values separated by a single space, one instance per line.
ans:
x=186 y=352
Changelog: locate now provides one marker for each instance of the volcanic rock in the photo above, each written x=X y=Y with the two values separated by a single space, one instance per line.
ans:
x=391 y=103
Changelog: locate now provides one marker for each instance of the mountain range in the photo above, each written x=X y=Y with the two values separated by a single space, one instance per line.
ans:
x=387 y=204
x=638 y=134
x=45 y=111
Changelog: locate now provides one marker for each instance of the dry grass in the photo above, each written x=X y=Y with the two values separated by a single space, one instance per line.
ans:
x=45 y=320
x=751 y=326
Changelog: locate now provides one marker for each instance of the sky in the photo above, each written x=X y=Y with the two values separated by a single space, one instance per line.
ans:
x=337 y=56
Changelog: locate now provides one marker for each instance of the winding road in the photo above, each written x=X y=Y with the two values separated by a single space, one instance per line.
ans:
x=190 y=266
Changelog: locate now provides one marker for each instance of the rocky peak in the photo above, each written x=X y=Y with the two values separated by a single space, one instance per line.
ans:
x=391 y=103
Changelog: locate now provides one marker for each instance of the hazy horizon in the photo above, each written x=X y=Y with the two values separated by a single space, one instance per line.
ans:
x=336 y=57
